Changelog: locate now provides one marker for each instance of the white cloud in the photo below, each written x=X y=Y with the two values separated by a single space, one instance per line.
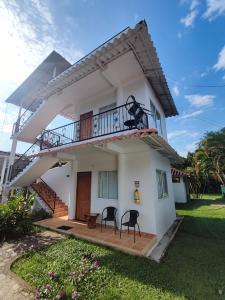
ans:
x=188 y=148
x=194 y=4
x=28 y=35
x=175 y=134
x=181 y=134
x=215 y=8
x=176 y=91
x=220 y=65
x=189 y=19
x=200 y=100
x=7 y=118
x=190 y=115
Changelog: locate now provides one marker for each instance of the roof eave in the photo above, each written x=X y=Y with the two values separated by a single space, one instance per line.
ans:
x=129 y=39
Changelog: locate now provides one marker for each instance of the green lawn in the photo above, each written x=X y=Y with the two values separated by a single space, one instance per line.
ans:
x=194 y=267
x=209 y=196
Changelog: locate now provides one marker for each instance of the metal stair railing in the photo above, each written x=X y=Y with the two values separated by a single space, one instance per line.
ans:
x=24 y=160
x=26 y=115
x=39 y=190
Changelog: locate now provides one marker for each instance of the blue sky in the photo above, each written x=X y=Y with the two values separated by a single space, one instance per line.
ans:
x=189 y=36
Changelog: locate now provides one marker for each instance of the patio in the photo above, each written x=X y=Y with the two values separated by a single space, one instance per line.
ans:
x=107 y=237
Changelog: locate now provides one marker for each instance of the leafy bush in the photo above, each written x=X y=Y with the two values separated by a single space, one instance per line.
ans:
x=15 y=217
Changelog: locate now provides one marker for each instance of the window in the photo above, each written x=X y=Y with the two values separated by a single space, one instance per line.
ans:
x=108 y=184
x=175 y=179
x=161 y=184
x=156 y=117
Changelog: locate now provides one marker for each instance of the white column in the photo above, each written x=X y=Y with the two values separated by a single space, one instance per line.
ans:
x=11 y=158
x=122 y=195
x=3 y=173
x=3 y=170
x=72 y=191
x=13 y=148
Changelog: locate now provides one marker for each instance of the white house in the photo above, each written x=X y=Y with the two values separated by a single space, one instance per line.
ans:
x=99 y=159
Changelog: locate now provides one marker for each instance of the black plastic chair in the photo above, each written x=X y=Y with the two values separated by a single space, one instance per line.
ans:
x=132 y=222
x=110 y=216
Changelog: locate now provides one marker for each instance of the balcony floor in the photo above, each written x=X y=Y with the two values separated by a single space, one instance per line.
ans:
x=107 y=237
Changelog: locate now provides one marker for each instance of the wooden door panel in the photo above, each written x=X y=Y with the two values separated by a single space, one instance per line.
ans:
x=86 y=125
x=83 y=199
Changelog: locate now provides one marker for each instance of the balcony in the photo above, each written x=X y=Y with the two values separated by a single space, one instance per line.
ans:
x=122 y=118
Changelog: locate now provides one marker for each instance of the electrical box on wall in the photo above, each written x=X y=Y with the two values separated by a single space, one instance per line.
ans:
x=137 y=184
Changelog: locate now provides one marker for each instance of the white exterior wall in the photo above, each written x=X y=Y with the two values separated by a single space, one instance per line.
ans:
x=180 y=194
x=138 y=87
x=96 y=103
x=165 y=212
x=95 y=163
x=156 y=215
x=57 y=179
x=150 y=95
x=137 y=167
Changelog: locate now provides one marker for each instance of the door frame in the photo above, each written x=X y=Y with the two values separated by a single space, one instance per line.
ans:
x=87 y=173
x=86 y=119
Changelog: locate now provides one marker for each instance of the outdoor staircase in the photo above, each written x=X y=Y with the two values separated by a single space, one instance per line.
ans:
x=58 y=207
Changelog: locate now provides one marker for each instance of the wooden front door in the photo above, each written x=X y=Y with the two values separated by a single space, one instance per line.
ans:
x=83 y=199
x=86 y=125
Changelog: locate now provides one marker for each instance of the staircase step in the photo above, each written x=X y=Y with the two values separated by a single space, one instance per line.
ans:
x=60 y=214
x=49 y=196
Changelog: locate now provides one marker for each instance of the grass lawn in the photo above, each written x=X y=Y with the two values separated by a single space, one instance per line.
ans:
x=208 y=196
x=194 y=267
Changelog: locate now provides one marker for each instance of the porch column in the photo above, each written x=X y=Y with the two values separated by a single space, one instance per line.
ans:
x=11 y=159
x=13 y=148
x=73 y=189
x=3 y=173
x=121 y=185
x=3 y=170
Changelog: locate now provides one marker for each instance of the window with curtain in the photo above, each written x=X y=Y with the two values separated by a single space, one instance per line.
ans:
x=161 y=184
x=108 y=184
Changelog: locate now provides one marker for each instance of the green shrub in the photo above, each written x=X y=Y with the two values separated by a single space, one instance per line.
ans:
x=15 y=219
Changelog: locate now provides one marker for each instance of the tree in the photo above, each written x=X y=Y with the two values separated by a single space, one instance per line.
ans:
x=213 y=146
x=207 y=163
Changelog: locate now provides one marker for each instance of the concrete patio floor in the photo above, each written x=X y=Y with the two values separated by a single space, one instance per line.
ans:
x=107 y=237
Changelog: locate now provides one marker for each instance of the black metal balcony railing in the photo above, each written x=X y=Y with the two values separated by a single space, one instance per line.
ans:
x=105 y=123
x=121 y=118
x=24 y=160
x=26 y=115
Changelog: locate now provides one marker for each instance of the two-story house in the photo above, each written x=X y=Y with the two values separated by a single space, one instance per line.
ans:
x=111 y=146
